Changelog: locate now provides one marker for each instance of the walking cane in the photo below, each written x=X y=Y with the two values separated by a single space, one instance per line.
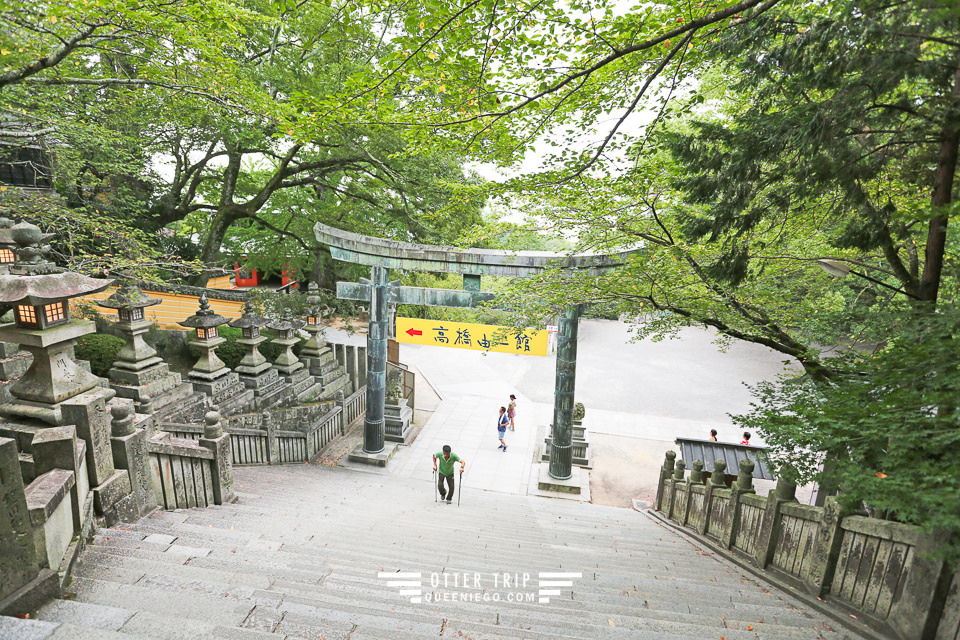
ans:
x=434 y=486
x=459 y=486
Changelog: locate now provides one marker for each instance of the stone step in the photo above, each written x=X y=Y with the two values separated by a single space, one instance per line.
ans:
x=299 y=553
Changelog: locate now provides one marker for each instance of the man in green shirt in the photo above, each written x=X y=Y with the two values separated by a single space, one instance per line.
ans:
x=446 y=459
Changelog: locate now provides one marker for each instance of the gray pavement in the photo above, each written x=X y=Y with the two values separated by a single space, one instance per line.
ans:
x=639 y=396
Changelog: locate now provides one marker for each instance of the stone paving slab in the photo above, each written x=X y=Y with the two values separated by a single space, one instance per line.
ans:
x=76 y=632
x=87 y=615
x=16 y=629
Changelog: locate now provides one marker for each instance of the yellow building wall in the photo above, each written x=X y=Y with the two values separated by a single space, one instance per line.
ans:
x=174 y=308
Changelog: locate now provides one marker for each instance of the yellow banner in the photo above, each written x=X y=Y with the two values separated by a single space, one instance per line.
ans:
x=480 y=337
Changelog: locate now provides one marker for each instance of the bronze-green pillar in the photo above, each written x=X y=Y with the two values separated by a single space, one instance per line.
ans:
x=373 y=427
x=561 y=454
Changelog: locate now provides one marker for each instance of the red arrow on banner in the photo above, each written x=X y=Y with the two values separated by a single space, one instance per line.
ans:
x=413 y=332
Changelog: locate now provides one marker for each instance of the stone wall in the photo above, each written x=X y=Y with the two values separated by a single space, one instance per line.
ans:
x=877 y=571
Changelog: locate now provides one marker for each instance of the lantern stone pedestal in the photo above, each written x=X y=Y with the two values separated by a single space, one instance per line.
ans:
x=138 y=372
x=396 y=414
x=316 y=354
x=210 y=375
x=255 y=372
x=53 y=376
x=297 y=377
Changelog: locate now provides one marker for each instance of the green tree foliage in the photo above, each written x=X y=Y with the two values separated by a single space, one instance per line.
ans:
x=210 y=89
x=889 y=423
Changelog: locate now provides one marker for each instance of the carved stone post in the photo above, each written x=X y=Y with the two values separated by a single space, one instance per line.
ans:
x=716 y=482
x=19 y=563
x=561 y=454
x=696 y=477
x=373 y=425
x=678 y=472
x=129 y=447
x=57 y=448
x=111 y=488
x=219 y=442
x=273 y=442
x=666 y=471
x=826 y=548
x=744 y=484
x=785 y=492
x=350 y=364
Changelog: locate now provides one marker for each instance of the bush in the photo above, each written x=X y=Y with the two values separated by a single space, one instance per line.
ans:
x=101 y=350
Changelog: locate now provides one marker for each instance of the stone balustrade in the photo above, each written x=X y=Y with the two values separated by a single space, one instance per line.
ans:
x=282 y=436
x=880 y=572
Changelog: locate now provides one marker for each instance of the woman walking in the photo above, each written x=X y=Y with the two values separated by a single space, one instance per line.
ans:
x=512 y=411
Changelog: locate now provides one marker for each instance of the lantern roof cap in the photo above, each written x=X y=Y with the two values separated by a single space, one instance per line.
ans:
x=128 y=296
x=248 y=319
x=47 y=288
x=205 y=318
x=286 y=322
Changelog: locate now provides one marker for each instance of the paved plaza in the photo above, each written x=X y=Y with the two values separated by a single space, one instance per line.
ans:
x=639 y=397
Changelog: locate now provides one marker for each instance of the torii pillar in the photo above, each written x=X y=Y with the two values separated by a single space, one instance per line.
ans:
x=373 y=425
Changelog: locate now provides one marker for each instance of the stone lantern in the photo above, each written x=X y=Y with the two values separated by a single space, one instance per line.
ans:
x=286 y=328
x=39 y=293
x=254 y=370
x=210 y=375
x=129 y=303
x=205 y=322
x=139 y=373
x=315 y=346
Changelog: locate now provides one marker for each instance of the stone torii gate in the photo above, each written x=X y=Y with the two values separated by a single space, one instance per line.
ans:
x=382 y=255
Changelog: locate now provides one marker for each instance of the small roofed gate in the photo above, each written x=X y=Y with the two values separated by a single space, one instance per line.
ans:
x=382 y=255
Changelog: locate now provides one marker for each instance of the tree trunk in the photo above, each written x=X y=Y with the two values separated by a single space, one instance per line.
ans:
x=222 y=219
x=941 y=197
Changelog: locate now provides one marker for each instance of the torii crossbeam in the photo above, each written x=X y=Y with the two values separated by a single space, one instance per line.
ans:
x=382 y=255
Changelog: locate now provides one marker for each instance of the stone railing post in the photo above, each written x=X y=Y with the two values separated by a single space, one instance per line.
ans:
x=665 y=472
x=679 y=468
x=129 y=447
x=696 y=474
x=56 y=448
x=273 y=442
x=222 y=469
x=717 y=481
x=696 y=477
x=744 y=484
x=343 y=412
x=826 y=548
x=361 y=368
x=111 y=488
x=350 y=364
x=20 y=561
x=766 y=542
x=310 y=422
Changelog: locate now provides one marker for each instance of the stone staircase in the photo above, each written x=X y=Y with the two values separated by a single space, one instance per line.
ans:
x=298 y=556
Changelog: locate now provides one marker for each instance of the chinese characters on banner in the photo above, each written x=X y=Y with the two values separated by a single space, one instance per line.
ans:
x=480 y=337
